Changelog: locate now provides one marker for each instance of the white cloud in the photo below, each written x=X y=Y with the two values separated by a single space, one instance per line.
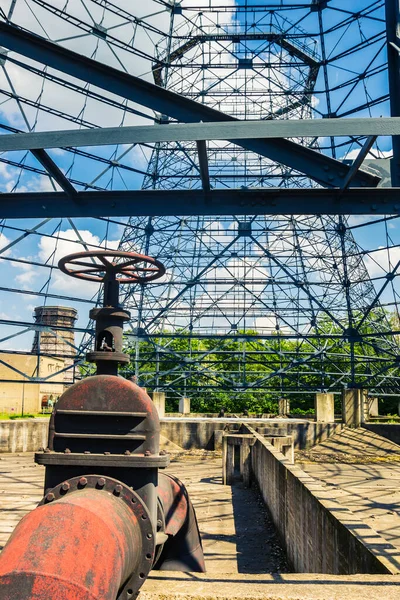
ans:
x=58 y=248
x=382 y=261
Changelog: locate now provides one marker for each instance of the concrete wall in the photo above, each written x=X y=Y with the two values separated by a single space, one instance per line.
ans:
x=192 y=433
x=390 y=432
x=23 y=435
x=319 y=535
x=188 y=433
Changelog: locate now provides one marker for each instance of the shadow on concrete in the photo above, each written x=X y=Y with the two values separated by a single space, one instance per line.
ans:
x=257 y=543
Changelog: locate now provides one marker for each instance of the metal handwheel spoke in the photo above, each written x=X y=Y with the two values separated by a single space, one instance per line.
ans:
x=126 y=271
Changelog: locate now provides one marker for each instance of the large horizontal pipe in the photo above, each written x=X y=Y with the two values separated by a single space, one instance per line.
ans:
x=83 y=546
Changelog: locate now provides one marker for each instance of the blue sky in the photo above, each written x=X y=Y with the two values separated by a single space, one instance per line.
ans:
x=46 y=248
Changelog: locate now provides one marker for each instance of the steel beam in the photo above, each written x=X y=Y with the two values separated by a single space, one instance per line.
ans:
x=355 y=167
x=54 y=171
x=393 y=50
x=186 y=132
x=203 y=163
x=271 y=201
x=317 y=166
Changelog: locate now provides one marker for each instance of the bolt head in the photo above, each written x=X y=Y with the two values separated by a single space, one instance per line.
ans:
x=47 y=450
x=106 y=453
x=118 y=489
x=65 y=486
x=127 y=453
x=50 y=497
x=83 y=481
x=101 y=482
x=147 y=453
x=86 y=452
x=67 y=451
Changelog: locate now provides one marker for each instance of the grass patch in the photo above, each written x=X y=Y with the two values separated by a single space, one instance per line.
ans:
x=15 y=416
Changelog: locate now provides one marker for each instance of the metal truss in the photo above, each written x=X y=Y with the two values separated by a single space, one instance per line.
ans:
x=252 y=304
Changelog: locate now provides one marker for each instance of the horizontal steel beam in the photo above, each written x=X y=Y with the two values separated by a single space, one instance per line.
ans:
x=187 y=132
x=272 y=201
x=323 y=169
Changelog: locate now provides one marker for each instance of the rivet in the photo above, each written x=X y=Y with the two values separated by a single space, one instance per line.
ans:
x=101 y=482
x=47 y=450
x=147 y=453
x=65 y=486
x=118 y=489
x=67 y=451
x=50 y=497
x=86 y=452
x=83 y=481
x=149 y=536
x=106 y=453
x=127 y=453
x=162 y=453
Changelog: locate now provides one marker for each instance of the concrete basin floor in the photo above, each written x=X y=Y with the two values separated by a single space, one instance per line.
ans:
x=237 y=533
x=241 y=550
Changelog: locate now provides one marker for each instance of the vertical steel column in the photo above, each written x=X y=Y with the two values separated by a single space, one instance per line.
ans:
x=393 y=49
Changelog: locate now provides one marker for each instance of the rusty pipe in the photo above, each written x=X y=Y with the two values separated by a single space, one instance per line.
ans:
x=183 y=551
x=84 y=546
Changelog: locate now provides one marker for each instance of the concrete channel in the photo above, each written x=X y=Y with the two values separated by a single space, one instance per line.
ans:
x=310 y=526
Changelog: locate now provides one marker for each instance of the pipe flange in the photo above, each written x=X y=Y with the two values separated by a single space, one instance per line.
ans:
x=119 y=490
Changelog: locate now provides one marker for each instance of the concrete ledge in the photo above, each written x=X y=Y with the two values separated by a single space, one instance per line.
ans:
x=23 y=435
x=386 y=430
x=196 y=586
x=319 y=534
x=199 y=433
x=27 y=435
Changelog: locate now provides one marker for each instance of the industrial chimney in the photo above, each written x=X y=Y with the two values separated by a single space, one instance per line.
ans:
x=58 y=342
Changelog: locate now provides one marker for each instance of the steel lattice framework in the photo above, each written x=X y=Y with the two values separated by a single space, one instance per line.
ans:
x=256 y=303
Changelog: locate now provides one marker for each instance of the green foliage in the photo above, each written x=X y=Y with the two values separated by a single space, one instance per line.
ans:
x=205 y=368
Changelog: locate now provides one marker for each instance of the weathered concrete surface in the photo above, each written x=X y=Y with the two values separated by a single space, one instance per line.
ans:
x=324 y=408
x=28 y=435
x=23 y=435
x=21 y=484
x=352 y=446
x=185 y=586
x=237 y=535
x=199 y=433
x=320 y=534
x=21 y=488
x=371 y=492
x=389 y=431
x=352 y=409
x=362 y=471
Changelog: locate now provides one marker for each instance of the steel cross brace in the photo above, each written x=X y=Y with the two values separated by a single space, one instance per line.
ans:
x=317 y=166
x=271 y=201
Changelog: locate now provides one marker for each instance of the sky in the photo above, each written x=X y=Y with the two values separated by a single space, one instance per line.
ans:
x=55 y=238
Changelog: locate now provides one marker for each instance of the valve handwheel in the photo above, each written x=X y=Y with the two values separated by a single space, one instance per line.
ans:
x=100 y=265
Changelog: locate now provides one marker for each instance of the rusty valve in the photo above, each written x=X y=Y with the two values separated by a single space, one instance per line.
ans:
x=108 y=516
